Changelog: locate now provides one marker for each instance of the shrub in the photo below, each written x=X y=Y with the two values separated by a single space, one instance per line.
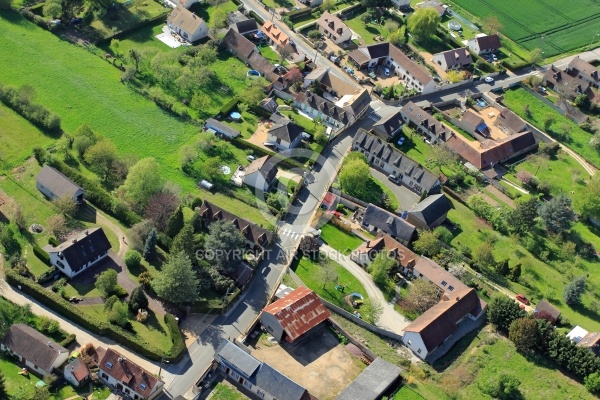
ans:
x=132 y=259
x=20 y=101
x=41 y=254
x=176 y=339
x=53 y=242
x=230 y=105
x=68 y=340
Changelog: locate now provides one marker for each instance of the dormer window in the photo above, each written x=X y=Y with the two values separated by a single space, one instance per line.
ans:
x=444 y=283
x=109 y=364
x=450 y=288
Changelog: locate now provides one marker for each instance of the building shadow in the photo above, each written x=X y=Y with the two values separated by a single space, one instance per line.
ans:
x=311 y=347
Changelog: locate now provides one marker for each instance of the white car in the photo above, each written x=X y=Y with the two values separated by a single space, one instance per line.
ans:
x=386 y=72
x=488 y=79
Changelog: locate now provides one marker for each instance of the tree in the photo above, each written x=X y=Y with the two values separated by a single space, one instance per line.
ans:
x=483 y=255
x=515 y=272
x=376 y=3
x=119 y=314
x=84 y=138
x=458 y=271
x=211 y=169
x=175 y=223
x=502 y=311
x=65 y=205
x=326 y=272
x=184 y=241
x=574 y=290
x=254 y=93
x=177 y=281
x=442 y=156
x=381 y=267
x=535 y=56
x=521 y=219
x=595 y=142
x=366 y=18
x=503 y=387
x=427 y=244
x=138 y=300
x=150 y=246
x=421 y=296
x=355 y=174
x=41 y=393
x=278 y=200
x=57 y=224
x=502 y=267
x=106 y=282
x=491 y=24
x=591 y=382
x=523 y=333
x=19 y=217
x=557 y=214
x=588 y=202
x=328 y=5
x=309 y=246
x=135 y=56
x=423 y=23
x=3 y=393
x=5 y=5
x=142 y=182
x=371 y=310
x=160 y=207
x=101 y=157
x=52 y=9
x=224 y=245
x=219 y=19
x=398 y=38
x=314 y=34
x=391 y=26
x=132 y=259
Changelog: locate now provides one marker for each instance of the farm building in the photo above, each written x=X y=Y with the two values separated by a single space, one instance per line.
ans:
x=430 y=212
x=294 y=315
x=213 y=126
x=547 y=311
x=54 y=185
x=386 y=374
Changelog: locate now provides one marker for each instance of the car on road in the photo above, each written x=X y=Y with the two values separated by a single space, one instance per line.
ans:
x=488 y=79
x=521 y=298
x=543 y=90
x=394 y=179
x=401 y=141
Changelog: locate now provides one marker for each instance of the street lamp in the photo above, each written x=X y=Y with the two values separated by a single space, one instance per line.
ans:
x=162 y=361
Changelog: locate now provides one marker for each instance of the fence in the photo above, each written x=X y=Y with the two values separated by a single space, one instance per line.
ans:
x=348 y=197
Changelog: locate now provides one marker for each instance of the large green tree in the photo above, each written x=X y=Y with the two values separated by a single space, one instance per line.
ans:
x=184 y=241
x=588 y=201
x=522 y=219
x=137 y=300
x=142 y=182
x=177 y=282
x=381 y=267
x=503 y=387
x=523 y=333
x=355 y=174
x=557 y=214
x=106 y=282
x=224 y=245
x=101 y=157
x=427 y=244
x=502 y=311
x=423 y=22
x=574 y=290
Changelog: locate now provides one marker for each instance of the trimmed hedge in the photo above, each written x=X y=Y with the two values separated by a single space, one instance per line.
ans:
x=41 y=254
x=53 y=241
x=176 y=338
x=299 y=13
x=68 y=340
x=66 y=309
x=230 y=105
x=254 y=15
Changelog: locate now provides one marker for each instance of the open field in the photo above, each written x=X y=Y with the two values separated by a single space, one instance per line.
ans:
x=126 y=16
x=578 y=139
x=558 y=27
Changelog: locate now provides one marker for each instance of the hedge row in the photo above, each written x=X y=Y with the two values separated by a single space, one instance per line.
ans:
x=230 y=105
x=178 y=344
x=41 y=254
x=97 y=195
x=35 y=113
x=68 y=340
x=52 y=240
x=299 y=13
x=66 y=309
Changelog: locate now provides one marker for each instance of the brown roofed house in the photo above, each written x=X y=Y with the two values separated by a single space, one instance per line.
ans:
x=547 y=311
x=261 y=174
x=127 y=377
x=37 y=352
x=368 y=250
x=591 y=341
x=294 y=315
x=485 y=44
x=276 y=36
x=77 y=372
x=333 y=28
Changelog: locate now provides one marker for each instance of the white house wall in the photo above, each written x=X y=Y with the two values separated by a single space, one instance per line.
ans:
x=256 y=180
x=414 y=342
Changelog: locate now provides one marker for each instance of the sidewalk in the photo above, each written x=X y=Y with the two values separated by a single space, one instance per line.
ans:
x=390 y=319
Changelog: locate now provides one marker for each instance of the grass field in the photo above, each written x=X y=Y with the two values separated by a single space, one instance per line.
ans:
x=516 y=99
x=552 y=25
x=406 y=393
x=124 y=17
x=366 y=32
x=308 y=271
x=225 y=391
x=338 y=239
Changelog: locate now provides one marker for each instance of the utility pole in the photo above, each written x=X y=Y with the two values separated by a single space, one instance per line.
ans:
x=162 y=361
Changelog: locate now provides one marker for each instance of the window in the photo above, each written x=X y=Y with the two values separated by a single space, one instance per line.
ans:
x=444 y=283
x=260 y=394
x=142 y=386
x=104 y=376
x=109 y=364
x=235 y=375
x=419 y=351
x=247 y=384
x=450 y=288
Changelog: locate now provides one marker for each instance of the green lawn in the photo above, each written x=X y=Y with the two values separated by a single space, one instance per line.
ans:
x=153 y=331
x=406 y=393
x=578 y=139
x=247 y=125
x=366 y=32
x=306 y=123
x=206 y=11
x=224 y=391
x=270 y=54
x=307 y=270
x=373 y=193
x=338 y=239
x=142 y=38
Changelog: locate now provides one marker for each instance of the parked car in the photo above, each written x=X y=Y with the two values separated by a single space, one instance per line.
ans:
x=250 y=158
x=543 y=90
x=386 y=72
x=401 y=141
x=522 y=299
x=494 y=58
x=394 y=179
x=488 y=79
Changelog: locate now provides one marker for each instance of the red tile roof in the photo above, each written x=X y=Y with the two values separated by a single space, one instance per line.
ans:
x=128 y=373
x=275 y=34
x=298 y=312
x=79 y=370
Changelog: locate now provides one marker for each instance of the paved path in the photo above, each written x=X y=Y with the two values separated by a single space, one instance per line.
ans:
x=406 y=198
x=390 y=319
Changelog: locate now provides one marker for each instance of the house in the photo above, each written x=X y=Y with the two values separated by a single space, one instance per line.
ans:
x=261 y=173
x=269 y=104
x=401 y=3
x=79 y=253
x=294 y=315
x=256 y=236
x=591 y=341
x=37 y=352
x=77 y=372
x=333 y=28
x=429 y=270
x=429 y=213
x=285 y=136
x=546 y=311
x=256 y=376
x=388 y=126
x=571 y=85
x=387 y=55
x=275 y=35
x=312 y=3
x=576 y=334
x=385 y=374
x=453 y=59
x=247 y=27
x=438 y=324
x=55 y=185
x=509 y=122
x=187 y=24
x=364 y=254
x=343 y=113
x=216 y=127
x=377 y=219
x=484 y=44
x=584 y=70
x=330 y=201
x=402 y=169
x=127 y=377
x=425 y=123
x=249 y=54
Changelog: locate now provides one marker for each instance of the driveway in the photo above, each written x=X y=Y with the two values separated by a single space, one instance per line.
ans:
x=406 y=198
x=390 y=319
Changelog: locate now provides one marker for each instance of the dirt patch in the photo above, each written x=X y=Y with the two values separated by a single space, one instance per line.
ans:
x=319 y=363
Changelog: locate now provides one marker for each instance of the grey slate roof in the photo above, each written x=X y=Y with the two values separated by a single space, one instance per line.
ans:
x=287 y=131
x=325 y=106
x=386 y=152
x=222 y=128
x=432 y=208
x=260 y=374
x=390 y=223
x=372 y=382
x=85 y=247
x=456 y=57
x=244 y=27
x=389 y=124
x=32 y=345
x=56 y=182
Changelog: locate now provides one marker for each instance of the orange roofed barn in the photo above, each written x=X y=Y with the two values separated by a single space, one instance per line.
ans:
x=293 y=315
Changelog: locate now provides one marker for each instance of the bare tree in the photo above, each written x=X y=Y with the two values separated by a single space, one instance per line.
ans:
x=421 y=296
x=327 y=273
x=492 y=25
x=65 y=205
x=160 y=207
x=58 y=226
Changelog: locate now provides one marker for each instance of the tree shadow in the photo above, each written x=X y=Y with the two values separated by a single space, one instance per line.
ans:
x=442 y=363
x=86 y=213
